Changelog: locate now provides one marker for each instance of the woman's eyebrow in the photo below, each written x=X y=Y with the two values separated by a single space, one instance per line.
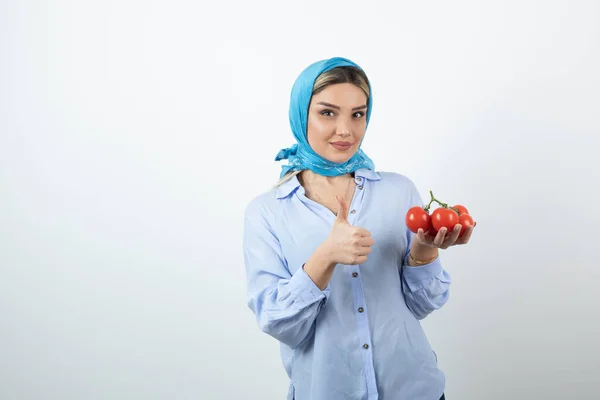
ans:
x=322 y=103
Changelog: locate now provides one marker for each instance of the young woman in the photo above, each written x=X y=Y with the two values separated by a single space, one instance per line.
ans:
x=333 y=273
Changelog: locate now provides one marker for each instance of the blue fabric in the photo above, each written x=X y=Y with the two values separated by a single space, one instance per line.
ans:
x=360 y=338
x=301 y=156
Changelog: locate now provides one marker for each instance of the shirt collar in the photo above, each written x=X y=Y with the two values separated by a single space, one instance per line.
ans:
x=291 y=185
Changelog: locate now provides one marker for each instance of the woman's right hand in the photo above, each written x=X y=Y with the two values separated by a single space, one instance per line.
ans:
x=347 y=244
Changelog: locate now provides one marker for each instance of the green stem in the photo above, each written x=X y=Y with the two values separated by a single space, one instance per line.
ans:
x=437 y=201
x=433 y=199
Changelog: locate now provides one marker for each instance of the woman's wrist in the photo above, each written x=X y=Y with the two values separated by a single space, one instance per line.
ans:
x=323 y=256
x=420 y=254
x=319 y=267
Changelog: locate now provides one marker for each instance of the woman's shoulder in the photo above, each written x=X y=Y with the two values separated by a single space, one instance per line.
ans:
x=262 y=206
x=395 y=179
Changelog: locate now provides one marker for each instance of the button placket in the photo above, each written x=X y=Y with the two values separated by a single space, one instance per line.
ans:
x=356 y=285
x=357 y=200
x=359 y=182
x=354 y=206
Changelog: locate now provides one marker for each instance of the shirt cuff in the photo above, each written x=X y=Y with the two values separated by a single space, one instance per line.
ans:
x=305 y=290
x=418 y=277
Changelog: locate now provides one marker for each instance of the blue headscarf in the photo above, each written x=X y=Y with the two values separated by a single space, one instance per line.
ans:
x=301 y=156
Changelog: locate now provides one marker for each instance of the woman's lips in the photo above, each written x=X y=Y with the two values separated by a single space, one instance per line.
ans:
x=341 y=145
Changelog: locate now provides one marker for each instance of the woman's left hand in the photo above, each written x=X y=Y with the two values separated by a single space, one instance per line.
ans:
x=443 y=239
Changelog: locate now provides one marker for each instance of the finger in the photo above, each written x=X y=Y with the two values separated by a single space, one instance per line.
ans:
x=422 y=237
x=464 y=239
x=342 y=215
x=439 y=238
x=366 y=242
x=452 y=237
x=363 y=251
x=363 y=232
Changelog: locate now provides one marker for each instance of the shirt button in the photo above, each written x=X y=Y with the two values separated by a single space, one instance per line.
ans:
x=365 y=346
x=353 y=212
x=354 y=274
x=359 y=179
x=360 y=309
x=360 y=187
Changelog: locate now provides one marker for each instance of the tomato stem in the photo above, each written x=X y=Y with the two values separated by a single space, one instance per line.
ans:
x=443 y=205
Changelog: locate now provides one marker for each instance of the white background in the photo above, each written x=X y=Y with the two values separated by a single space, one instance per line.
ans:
x=133 y=134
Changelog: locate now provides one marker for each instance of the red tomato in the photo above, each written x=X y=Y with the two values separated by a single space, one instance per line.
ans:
x=417 y=218
x=461 y=209
x=444 y=218
x=465 y=220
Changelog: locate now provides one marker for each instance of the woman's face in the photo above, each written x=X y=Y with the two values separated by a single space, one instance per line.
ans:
x=337 y=121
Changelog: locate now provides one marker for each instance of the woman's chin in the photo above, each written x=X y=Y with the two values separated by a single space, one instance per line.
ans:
x=338 y=158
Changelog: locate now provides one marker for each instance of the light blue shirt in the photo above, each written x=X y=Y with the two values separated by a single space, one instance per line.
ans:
x=360 y=338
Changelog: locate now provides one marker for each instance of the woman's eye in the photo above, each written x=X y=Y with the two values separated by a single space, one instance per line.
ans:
x=329 y=113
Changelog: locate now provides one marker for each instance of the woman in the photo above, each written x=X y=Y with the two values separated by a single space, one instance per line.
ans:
x=333 y=273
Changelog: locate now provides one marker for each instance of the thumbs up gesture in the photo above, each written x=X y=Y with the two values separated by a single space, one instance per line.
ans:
x=348 y=244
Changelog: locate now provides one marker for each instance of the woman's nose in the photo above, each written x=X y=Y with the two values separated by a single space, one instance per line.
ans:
x=343 y=129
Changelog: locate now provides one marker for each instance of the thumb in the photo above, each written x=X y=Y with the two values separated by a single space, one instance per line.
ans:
x=342 y=215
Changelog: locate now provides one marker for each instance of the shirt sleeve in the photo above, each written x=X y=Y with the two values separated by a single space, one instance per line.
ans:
x=285 y=305
x=426 y=288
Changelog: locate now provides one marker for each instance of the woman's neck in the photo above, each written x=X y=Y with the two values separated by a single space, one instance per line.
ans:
x=324 y=189
x=311 y=179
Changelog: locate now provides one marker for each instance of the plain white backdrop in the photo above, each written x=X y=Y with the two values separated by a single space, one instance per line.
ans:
x=134 y=133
